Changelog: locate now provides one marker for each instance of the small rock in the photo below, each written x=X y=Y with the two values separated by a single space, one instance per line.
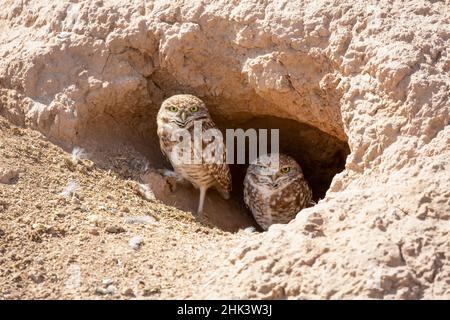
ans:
x=135 y=242
x=8 y=176
x=17 y=278
x=151 y=291
x=37 y=278
x=16 y=131
x=94 y=232
x=108 y=290
x=107 y=282
x=111 y=289
x=115 y=229
x=129 y=293
x=3 y=205
x=140 y=219
x=96 y=220
x=64 y=35
x=60 y=214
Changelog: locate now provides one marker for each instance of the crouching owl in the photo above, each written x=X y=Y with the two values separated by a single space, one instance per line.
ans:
x=275 y=191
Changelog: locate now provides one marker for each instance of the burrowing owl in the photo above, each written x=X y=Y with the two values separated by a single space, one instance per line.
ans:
x=275 y=192
x=182 y=112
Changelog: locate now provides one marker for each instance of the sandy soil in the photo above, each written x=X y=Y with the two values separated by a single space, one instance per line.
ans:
x=76 y=245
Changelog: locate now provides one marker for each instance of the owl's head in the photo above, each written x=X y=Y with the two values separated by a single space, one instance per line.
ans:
x=274 y=171
x=182 y=110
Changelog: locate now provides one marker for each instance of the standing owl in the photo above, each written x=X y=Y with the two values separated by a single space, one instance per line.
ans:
x=183 y=113
x=275 y=191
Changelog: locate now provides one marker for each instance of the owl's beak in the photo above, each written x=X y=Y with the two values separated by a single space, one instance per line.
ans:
x=274 y=181
x=183 y=116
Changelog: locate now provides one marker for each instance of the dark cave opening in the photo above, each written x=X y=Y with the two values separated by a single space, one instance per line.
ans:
x=320 y=155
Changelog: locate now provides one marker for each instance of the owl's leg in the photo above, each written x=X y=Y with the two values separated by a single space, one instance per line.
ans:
x=202 y=200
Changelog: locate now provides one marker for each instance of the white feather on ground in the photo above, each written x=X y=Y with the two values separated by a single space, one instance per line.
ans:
x=78 y=154
x=146 y=192
x=70 y=189
x=135 y=242
x=250 y=230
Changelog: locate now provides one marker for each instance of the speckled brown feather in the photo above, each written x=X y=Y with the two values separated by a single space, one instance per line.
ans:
x=220 y=171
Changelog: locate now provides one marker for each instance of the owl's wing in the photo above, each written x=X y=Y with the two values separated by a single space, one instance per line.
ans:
x=219 y=169
x=247 y=190
x=162 y=145
x=221 y=174
x=165 y=143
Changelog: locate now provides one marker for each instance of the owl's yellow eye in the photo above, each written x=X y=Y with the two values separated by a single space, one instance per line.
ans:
x=194 y=109
x=285 y=169
x=173 y=109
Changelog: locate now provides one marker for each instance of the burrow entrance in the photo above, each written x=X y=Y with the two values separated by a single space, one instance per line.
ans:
x=126 y=142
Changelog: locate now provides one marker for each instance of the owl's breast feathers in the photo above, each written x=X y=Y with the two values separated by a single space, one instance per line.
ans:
x=215 y=166
x=276 y=206
x=292 y=198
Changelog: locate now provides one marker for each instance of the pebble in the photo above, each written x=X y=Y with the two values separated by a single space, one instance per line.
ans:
x=94 y=232
x=151 y=291
x=17 y=278
x=8 y=176
x=129 y=293
x=96 y=220
x=108 y=290
x=3 y=205
x=114 y=229
x=140 y=219
x=37 y=278
x=60 y=214
x=64 y=35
